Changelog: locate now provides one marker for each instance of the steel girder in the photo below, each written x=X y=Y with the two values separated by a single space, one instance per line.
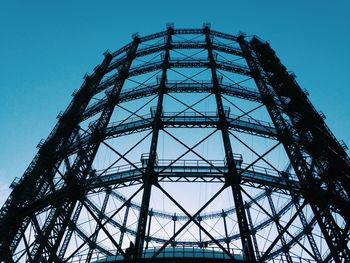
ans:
x=333 y=233
x=320 y=183
x=174 y=87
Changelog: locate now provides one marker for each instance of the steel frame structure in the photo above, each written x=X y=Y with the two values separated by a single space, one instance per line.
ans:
x=42 y=220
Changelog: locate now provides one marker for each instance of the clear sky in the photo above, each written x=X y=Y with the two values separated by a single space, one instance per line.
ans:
x=46 y=47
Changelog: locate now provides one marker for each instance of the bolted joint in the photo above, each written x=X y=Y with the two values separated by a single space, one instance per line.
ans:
x=314 y=194
x=308 y=229
x=75 y=193
x=74 y=189
x=173 y=243
x=223 y=214
x=85 y=93
x=160 y=124
x=92 y=245
x=276 y=218
x=153 y=179
x=296 y=199
x=108 y=56
x=220 y=124
x=240 y=38
x=215 y=89
x=123 y=74
x=97 y=135
x=122 y=229
x=212 y=63
x=232 y=179
x=68 y=119
x=170 y=30
x=237 y=178
x=71 y=122
x=108 y=189
x=87 y=78
x=285 y=136
x=47 y=155
x=206 y=29
x=112 y=100
x=100 y=216
x=136 y=38
x=131 y=56
x=268 y=99
x=228 y=180
x=285 y=248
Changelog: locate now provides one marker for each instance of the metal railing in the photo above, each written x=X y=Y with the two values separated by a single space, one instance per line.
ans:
x=192 y=252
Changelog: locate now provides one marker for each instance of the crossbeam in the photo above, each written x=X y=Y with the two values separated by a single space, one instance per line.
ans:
x=195 y=171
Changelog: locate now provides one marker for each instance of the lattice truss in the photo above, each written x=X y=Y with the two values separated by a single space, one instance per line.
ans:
x=187 y=138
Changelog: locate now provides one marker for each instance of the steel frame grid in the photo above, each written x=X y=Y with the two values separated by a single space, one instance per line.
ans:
x=323 y=183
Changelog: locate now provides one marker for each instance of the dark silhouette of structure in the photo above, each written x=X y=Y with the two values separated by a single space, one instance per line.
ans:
x=86 y=198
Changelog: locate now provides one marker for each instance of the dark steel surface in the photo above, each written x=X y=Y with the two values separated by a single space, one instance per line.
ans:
x=41 y=218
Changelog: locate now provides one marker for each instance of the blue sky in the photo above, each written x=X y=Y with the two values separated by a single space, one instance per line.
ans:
x=46 y=48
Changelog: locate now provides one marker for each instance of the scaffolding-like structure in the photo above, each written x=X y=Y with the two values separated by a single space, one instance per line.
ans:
x=187 y=145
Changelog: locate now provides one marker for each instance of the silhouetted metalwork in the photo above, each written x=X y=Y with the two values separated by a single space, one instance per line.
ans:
x=85 y=197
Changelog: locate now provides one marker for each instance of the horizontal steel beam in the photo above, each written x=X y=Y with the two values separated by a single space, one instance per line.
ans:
x=160 y=240
x=190 y=63
x=178 y=120
x=205 y=86
x=194 y=171
x=184 y=171
x=153 y=49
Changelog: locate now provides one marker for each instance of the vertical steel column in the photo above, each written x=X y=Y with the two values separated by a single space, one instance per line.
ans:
x=314 y=194
x=73 y=221
x=307 y=229
x=47 y=244
x=71 y=227
x=199 y=219
x=125 y=220
x=223 y=215
x=149 y=227
x=253 y=231
x=174 y=227
x=232 y=178
x=331 y=163
x=279 y=229
x=97 y=227
x=150 y=176
x=42 y=169
x=303 y=220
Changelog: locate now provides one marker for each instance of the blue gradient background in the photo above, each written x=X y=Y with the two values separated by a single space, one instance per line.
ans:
x=46 y=47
